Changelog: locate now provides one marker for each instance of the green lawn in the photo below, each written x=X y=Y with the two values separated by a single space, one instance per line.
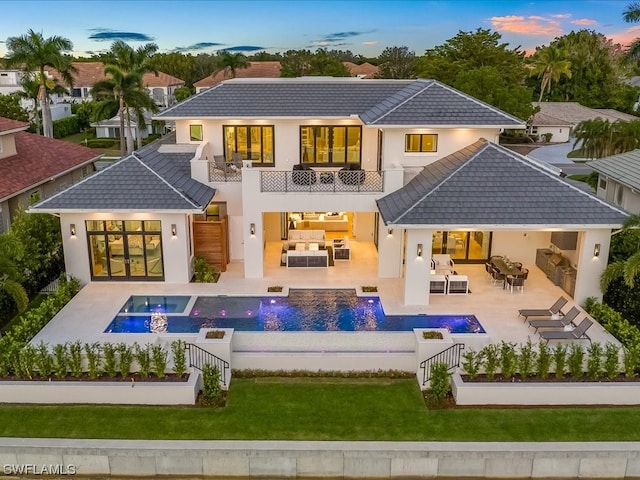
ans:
x=322 y=409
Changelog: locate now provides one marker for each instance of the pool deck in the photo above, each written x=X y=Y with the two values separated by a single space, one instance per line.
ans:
x=88 y=314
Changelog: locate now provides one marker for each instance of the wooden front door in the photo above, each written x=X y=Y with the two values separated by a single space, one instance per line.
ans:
x=211 y=240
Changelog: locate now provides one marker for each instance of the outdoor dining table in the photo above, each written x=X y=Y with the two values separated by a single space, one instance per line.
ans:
x=506 y=268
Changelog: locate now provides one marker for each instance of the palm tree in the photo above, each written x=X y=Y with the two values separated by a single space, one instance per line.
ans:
x=631 y=14
x=129 y=65
x=31 y=90
x=600 y=138
x=550 y=64
x=33 y=53
x=123 y=91
x=230 y=62
x=627 y=269
x=9 y=279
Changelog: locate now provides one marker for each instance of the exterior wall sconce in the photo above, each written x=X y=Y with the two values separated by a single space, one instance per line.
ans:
x=72 y=229
x=596 y=250
x=174 y=230
x=419 y=250
x=252 y=229
x=390 y=231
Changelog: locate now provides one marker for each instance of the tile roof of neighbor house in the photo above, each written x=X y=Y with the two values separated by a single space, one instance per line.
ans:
x=486 y=185
x=572 y=113
x=9 y=125
x=91 y=72
x=366 y=70
x=147 y=180
x=376 y=102
x=39 y=159
x=623 y=168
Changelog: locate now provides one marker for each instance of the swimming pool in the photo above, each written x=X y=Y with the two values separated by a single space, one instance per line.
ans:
x=302 y=310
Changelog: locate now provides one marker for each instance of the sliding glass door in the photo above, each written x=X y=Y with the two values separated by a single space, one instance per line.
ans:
x=463 y=246
x=330 y=145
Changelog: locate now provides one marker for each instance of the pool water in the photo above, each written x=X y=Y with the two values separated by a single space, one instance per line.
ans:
x=302 y=310
x=156 y=303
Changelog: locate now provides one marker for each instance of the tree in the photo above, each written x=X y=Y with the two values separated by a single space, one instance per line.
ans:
x=230 y=62
x=549 y=64
x=10 y=108
x=397 y=62
x=31 y=91
x=10 y=278
x=296 y=63
x=301 y=63
x=182 y=93
x=480 y=56
x=600 y=138
x=33 y=53
x=179 y=65
x=631 y=14
x=628 y=269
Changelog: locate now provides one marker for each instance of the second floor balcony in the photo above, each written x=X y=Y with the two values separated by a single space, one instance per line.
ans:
x=321 y=181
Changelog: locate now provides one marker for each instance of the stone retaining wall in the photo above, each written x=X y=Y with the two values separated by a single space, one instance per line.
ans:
x=327 y=459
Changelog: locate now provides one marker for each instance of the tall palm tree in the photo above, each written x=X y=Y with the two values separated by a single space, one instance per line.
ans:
x=550 y=64
x=126 y=92
x=600 y=138
x=628 y=269
x=631 y=14
x=230 y=62
x=33 y=53
x=31 y=91
x=127 y=67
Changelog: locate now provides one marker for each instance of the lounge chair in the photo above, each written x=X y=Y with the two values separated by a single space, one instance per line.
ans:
x=563 y=322
x=237 y=160
x=221 y=163
x=555 y=309
x=578 y=333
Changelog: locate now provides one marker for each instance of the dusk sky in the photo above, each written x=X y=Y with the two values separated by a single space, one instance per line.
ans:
x=362 y=26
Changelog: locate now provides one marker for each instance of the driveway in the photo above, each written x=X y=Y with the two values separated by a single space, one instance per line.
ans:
x=556 y=155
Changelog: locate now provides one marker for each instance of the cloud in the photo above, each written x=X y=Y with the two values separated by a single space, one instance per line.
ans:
x=561 y=15
x=107 y=35
x=625 y=37
x=584 y=21
x=532 y=25
x=337 y=39
x=370 y=42
x=244 y=48
x=197 y=46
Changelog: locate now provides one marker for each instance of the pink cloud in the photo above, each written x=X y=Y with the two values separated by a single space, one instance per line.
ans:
x=370 y=42
x=584 y=21
x=561 y=15
x=532 y=25
x=625 y=37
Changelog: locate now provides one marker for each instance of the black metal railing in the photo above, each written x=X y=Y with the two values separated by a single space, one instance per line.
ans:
x=366 y=181
x=450 y=357
x=199 y=357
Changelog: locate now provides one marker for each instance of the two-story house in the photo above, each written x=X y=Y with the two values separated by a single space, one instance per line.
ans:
x=33 y=167
x=410 y=168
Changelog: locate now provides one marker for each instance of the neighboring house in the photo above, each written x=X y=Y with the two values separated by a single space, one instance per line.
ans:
x=619 y=179
x=160 y=87
x=33 y=167
x=410 y=167
x=272 y=70
x=560 y=118
x=111 y=128
x=10 y=81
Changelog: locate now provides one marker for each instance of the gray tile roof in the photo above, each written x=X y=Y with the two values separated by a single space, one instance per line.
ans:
x=623 y=168
x=376 y=102
x=146 y=180
x=485 y=184
x=572 y=113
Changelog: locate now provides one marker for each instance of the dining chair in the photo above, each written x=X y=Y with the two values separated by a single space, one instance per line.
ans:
x=513 y=281
x=498 y=278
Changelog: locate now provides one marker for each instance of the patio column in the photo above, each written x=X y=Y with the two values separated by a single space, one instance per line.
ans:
x=389 y=252
x=251 y=219
x=590 y=266
x=417 y=263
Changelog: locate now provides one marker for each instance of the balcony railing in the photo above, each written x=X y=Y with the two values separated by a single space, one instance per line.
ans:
x=368 y=181
x=228 y=175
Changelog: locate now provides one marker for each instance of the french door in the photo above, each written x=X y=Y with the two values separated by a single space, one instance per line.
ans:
x=330 y=145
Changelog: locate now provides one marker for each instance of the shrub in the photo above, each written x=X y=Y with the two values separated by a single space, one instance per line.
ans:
x=471 y=362
x=508 y=359
x=576 y=360
x=203 y=272
x=28 y=359
x=275 y=288
x=560 y=360
x=526 y=359
x=66 y=126
x=611 y=360
x=439 y=384
x=432 y=335
x=143 y=357
x=491 y=356
x=61 y=352
x=179 y=353
x=594 y=361
x=125 y=355
x=612 y=321
x=92 y=351
x=110 y=363
x=102 y=142
x=75 y=358
x=544 y=360
x=631 y=360
x=159 y=360
x=211 y=389
x=44 y=360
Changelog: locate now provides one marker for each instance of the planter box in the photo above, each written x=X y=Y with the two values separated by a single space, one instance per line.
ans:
x=541 y=393
x=101 y=392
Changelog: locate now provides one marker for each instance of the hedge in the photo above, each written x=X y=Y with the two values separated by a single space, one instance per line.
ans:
x=627 y=333
x=103 y=142
x=66 y=126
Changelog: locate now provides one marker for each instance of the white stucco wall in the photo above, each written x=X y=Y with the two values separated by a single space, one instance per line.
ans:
x=589 y=267
x=417 y=268
x=558 y=134
x=175 y=250
x=519 y=246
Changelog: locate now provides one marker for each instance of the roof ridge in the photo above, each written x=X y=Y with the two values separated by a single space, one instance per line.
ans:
x=186 y=100
x=419 y=80
x=451 y=174
x=162 y=179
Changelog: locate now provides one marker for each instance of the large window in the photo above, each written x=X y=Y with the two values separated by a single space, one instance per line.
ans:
x=472 y=247
x=252 y=142
x=415 y=142
x=330 y=145
x=125 y=249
